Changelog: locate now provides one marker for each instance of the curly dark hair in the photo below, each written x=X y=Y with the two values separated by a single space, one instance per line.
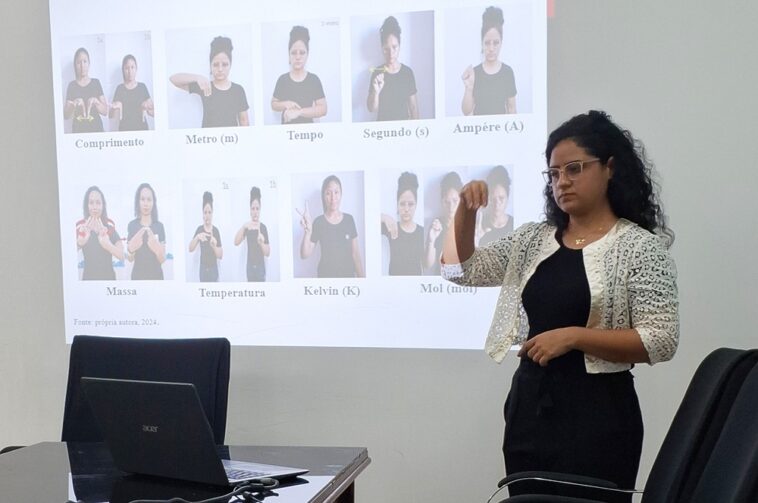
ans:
x=632 y=191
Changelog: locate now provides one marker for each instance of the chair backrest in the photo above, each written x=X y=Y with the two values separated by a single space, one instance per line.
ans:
x=697 y=425
x=731 y=474
x=202 y=362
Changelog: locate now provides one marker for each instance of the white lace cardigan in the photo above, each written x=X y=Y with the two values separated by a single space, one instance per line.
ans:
x=632 y=281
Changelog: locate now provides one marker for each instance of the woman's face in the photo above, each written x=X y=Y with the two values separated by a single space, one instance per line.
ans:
x=450 y=200
x=81 y=64
x=129 y=70
x=498 y=199
x=491 y=43
x=146 y=201
x=589 y=190
x=406 y=206
x=332 y=196
x=220 y=66
x=298 y=55
x=255 y=210
x=391 y=49
x=95 y=204
x=207 y=214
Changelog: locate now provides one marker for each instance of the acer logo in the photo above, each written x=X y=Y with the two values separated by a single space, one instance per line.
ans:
x=147 y=428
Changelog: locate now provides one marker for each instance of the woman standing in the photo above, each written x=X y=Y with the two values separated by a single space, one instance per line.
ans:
x=85 y=101
x=392 y=86
x=598 y=289
x=97 y=238
x=131 y=102
x=298 y=94
x=256 y=234
x=490 y=87
x=450 y=187
x=146 y=241
x=224 y=102
x=335 y=231
x=406 y=237
x=208 y=238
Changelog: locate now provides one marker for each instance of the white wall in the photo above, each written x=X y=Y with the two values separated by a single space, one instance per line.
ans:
x=680 y=75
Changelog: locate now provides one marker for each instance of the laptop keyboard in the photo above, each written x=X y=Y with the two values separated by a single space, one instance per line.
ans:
x=235 y=474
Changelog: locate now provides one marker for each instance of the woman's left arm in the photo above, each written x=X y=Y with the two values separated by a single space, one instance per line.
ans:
x=621 y=346
x=510 y=105
x=243 y=118
x=413 y=107
x=357 y=261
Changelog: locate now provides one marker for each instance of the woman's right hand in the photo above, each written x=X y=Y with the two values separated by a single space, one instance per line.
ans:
x=305 y=218
x=378 y=82
x=435 y=230
x=468 y=77
x=474 y=195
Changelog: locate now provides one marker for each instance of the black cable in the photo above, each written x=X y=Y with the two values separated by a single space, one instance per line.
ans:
x=245 y=490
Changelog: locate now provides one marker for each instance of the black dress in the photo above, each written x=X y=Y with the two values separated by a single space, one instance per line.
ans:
x=560 y=418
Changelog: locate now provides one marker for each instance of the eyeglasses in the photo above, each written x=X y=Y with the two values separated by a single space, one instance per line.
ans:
x=571 y=170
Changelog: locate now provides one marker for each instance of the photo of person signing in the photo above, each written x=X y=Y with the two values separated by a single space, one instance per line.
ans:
x=335 y=231
x=224 y=102
x=146 y=241
x=392 y=86
x=97 y=238
x=298 y=94
x=490 y=87
x=405 y=236
x=255 y=234
x=131 y=102
x=208 y=238
x=496 y=221
x=85 y=101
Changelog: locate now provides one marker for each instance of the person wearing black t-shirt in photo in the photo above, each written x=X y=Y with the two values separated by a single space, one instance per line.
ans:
x=97 y=238
x=208 y=238
x=298 y=94
x=224 y=102
x=406 y=237
x=255 y=233
x=146 y=242
x=392 y=86
x=335 y=231
x=450 y=186
x=490 y=87
x=85 y=101
x=496 y=222
x=131 y=103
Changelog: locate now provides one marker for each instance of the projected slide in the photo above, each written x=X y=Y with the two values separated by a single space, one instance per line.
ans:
x=284 y=173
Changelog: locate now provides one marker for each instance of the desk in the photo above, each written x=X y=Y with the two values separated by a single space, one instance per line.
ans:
x=53 y=472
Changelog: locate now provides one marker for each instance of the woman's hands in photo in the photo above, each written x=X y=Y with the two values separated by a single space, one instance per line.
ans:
x=152 y=240
x=378 y=82
x=435 y=229
x=548 y=345
x=204 y=85
x=80 y=108
x=118 y=107
x=305 y=218
x=468 y=77
x=391 y=225
x=474 y=195
x=292 y=111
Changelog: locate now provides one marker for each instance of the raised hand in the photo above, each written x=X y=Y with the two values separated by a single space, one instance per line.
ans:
x=305 y=218
x=205 y=86
x=435 y=230
x=468 y=77
x=474 y=195
x=378 y=82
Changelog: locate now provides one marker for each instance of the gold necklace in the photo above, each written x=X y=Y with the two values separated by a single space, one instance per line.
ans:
x=580 y=241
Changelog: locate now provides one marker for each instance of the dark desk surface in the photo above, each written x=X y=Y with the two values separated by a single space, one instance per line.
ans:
x=56 y=472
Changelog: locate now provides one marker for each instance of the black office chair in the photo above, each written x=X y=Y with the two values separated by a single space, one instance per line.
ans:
x=730 y=474
x=688 y=445
x=202 y=362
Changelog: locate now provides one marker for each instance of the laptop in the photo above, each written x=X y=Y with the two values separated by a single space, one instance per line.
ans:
x=159 y=428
